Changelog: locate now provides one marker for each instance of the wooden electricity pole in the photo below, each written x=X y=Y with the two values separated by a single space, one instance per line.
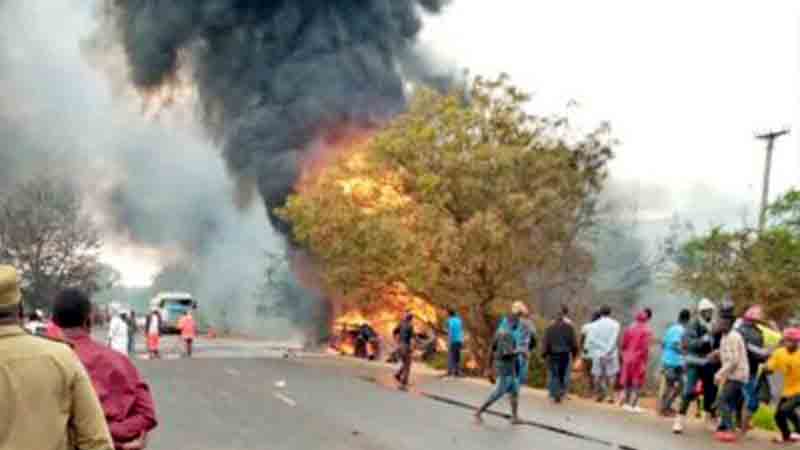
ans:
x=770 y=137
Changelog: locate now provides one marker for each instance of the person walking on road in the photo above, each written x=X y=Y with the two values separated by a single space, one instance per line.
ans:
x=455 y=340
x=672 y=363
x=635 y=357
x=757 y=355
x=504 y=351
x=48 y=401
x=786 y=361
x=559 y=347
x=701 y=345
x=602 y=342
x=152 y=327
x=118 y=332
x=732 y=376
x=125 y=397
x=524 y=339
x=188 y=328
x=405 y=340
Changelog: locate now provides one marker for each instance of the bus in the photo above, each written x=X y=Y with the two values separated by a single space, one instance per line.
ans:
x=172 y=306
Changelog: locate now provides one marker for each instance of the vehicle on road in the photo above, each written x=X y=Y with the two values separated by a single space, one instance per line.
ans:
x=172 y=306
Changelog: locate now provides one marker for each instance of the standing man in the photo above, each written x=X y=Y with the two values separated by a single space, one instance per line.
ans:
x=559 y=347
x=786 y=361
x=455 y=341
x=757 y=354
x=602 y=343
x=732 y=376
x=118 y=332
x=133 y=328
x=586 y=359
x=524 y=339
x=405 y=339
x=504 y=351
x=672 y=363
x=152 y=327
x=47 y=398
x=125 y=397
x=635 y=356
x=701 y=363
x=188 y=328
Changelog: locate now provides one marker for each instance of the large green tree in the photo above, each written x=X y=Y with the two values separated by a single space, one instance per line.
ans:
x=749 y=265
x=457 y=200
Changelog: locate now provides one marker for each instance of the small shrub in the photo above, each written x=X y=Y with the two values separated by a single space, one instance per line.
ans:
x=764 y=419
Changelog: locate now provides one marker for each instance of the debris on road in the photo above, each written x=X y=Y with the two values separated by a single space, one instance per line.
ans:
x=285 y=399
x=280 y=384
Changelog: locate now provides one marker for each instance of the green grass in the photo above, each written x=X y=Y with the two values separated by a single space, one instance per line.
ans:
x=764 y=419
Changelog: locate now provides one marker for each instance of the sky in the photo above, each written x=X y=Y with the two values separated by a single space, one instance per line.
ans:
x=685 y=85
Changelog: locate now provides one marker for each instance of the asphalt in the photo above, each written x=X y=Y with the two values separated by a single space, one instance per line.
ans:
x=232 y=396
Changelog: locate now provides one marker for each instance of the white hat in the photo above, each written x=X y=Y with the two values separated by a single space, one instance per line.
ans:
x=705 y=305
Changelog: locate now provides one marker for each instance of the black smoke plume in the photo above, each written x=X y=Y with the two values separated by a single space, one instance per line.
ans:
x=274 y=75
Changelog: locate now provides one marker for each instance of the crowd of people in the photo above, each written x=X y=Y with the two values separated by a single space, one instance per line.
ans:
x=722 y=362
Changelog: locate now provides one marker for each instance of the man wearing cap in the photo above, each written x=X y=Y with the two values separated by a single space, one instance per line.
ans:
x=47 y=398
x=757 y=354
x=505 y=351
x=701 y=344
x=786 y=361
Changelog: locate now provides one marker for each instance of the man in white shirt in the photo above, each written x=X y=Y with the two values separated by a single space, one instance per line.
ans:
x=118 y=333
x=602 y=346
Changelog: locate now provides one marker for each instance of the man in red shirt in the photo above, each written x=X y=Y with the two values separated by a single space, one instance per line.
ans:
x=188 y=329
x=125 y=397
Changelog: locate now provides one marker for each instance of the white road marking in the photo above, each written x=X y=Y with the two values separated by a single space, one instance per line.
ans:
x=285 y=399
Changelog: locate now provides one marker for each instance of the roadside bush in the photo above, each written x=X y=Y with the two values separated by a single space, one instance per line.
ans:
x=764 y=419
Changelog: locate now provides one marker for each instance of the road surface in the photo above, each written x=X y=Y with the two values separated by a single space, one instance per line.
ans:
x=241 y=397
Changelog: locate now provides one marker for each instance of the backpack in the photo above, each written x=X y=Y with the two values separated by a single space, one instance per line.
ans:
x=505 y=345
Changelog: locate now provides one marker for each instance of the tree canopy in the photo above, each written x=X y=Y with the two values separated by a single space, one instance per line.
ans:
x=749 y=265
x=46 y=233
x=457 y=200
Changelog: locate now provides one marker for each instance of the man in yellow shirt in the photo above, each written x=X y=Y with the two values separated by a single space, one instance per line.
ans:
x=46 y=398
x=786 y=361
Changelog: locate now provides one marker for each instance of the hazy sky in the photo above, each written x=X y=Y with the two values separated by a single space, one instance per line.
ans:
x=684 y=83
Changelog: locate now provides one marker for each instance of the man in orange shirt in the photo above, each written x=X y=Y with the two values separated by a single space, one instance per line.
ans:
x=188 y=328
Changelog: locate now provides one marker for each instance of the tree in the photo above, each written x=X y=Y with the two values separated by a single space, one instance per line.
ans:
x=456 y=200
x=748 y=265
x=46 y=233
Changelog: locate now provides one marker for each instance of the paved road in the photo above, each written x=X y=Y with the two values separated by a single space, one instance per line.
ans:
x=233 y=404
x=227 y=399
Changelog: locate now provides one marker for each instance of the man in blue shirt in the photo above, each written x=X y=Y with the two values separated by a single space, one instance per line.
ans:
x=672 y=363
x=455 y=332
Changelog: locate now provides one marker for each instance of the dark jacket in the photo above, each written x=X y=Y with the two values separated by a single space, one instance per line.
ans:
x=754 y=342
x=699 y=342
x=559 y=338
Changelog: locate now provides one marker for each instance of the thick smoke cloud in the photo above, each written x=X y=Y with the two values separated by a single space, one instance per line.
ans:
x=272 y=76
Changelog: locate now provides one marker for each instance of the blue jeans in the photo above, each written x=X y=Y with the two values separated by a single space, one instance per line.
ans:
x=454 y=359
x=730 y=402
x=506 y=384
x=558 y=369
x=522 y=370
x=751 y=400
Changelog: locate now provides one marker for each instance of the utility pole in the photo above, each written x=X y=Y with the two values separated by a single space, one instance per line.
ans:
x=770 y=137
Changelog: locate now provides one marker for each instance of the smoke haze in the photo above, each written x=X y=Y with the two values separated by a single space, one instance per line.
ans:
x=272 y=76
